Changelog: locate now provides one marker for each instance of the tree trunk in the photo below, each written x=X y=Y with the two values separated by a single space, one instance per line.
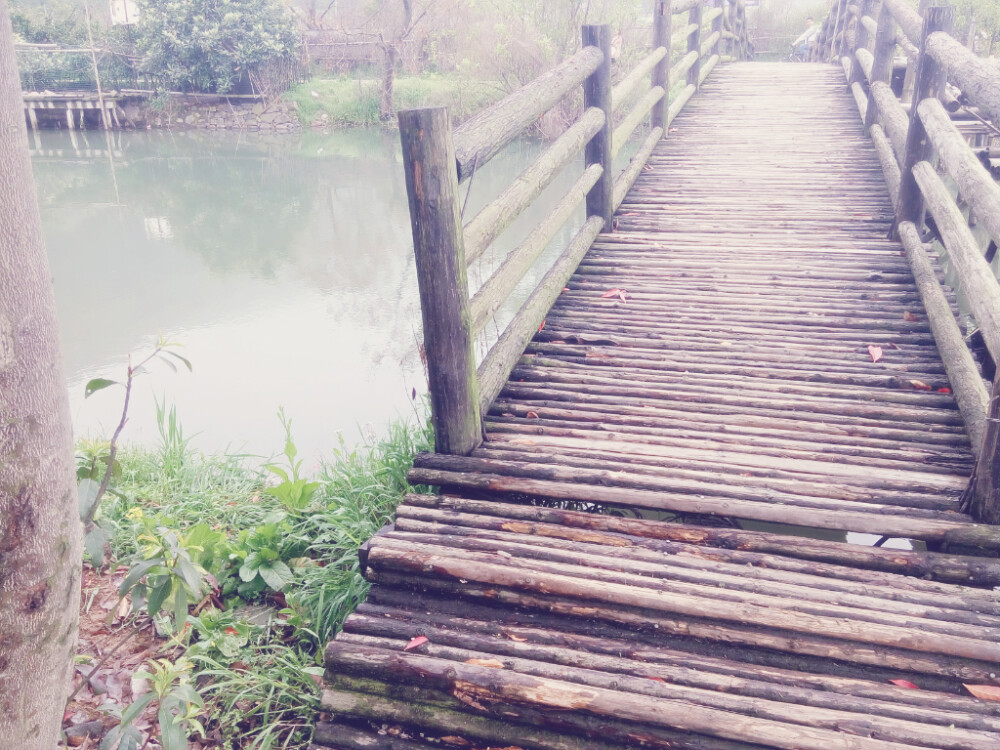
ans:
x=391 y=55
x=40 y=548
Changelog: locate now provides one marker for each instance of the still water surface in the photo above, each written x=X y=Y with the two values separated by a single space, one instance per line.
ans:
x=283 y=265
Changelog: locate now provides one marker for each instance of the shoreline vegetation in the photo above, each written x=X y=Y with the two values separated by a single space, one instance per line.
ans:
x=266 y=568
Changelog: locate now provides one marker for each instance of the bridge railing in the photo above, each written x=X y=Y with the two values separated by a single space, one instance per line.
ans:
x=437 y=159
x=918 y=145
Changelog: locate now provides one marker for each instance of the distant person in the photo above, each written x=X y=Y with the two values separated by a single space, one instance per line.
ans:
x=805 y=40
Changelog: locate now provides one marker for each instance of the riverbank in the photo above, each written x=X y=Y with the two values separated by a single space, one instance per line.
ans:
x=265 y=561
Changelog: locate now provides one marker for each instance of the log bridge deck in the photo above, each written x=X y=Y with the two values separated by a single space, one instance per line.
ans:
x=615 y=564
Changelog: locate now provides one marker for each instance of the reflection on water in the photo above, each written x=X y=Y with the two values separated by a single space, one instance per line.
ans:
x=283 y=265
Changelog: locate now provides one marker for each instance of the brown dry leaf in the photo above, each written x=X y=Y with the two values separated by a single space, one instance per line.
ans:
x=920 y=385
x=456 y=741
x=491 y=663
x=656 y=679
x=417 y=642
x=905 y=684
x=517 y=638
x=541 y=326
x=984 y=692
x=611 y=293
x=909 y=317
x=875 y=352
x=532 y=415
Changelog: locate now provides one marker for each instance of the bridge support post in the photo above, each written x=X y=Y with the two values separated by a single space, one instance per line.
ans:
x=930 y=80
x=661 y=73
x=984 y=489
x=438 y=244
x=861 y=42
x=694 y=45
x=597 y=93
x=885 y=45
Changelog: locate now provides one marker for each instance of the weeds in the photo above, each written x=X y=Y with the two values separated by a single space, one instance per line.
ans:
x=189 y=521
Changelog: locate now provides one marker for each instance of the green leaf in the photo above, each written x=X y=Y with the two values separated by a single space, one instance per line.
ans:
x=98 y=384
x=180 y=608
x=157 y=596
x=181 y=359
x=93 y=545
x=277 y=575
x=190 y=574
x=189 y=694
x=172 y=733
x=136 y=707
x=86 y=493
x=138 y=571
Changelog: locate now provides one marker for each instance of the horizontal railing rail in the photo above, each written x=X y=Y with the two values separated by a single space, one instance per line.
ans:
x=437 y=160
x=917 y=143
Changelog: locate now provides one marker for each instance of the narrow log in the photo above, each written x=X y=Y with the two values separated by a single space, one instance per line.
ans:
x=480 y=137
x=908 y=19
x=635 y=166
x=695 y=16
x=893 y=117
x=634 y=118
x=985 y=487
x=975 y=275
x=625 y=89
x=498 y=287
x=678 y=104
x=500 y=213
x=662 y=13
x=978 y=79
x=882 y=61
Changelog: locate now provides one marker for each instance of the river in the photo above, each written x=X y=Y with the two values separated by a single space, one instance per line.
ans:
x=283 y=266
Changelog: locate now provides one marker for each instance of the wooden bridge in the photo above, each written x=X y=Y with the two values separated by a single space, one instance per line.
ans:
x=710 y=489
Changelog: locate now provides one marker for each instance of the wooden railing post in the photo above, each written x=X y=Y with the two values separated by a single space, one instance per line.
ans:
x=597 y=93
x=661 y=73
x=930 y=80
x=432 y=188
x=885 y=45
x=861 y=42
x=694 y=45
x=984 y=489
x=717 y=26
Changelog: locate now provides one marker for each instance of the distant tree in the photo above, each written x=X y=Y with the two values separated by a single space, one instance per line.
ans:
x=40 y=546
x=207 y=45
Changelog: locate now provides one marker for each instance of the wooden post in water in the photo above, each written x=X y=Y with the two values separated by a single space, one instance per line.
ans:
x=930 y=80
x=432 y=187
x=694 y=44
x=597 y=93
x=661 y=73
x=885 y=45
x=985 y=487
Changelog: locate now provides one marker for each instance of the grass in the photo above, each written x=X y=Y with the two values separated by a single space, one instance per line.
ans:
x=263 y=692
x=355 y=101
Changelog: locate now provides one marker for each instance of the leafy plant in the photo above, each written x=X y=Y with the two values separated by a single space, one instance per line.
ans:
x=179 y=708
x=295 y=492
x=219 y=634
x=263 y=554
x=164 y=575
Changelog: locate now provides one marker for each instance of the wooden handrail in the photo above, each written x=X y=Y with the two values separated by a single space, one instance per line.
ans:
x=904 y=145
x=437 y=161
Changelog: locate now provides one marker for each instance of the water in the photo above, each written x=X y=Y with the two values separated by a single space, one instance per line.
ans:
x=283 y=265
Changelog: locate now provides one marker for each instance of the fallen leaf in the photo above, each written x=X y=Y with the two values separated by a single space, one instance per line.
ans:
x=541 y=326
x=232 y=631
x=611 y=293
x=904 y=684
x=517 y=638
x=656 y=679
x=909 y=317
x=491 y=663
x=456 y=741
x=944 y=390
x=875 y=352
x=984 y=692
x=920 y=385
x=417 y=642
x=532 y=415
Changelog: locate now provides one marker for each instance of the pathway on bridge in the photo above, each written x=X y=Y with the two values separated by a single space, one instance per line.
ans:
x=731 y=376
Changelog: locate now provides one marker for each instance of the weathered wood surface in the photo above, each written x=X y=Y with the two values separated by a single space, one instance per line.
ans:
x=707 y=369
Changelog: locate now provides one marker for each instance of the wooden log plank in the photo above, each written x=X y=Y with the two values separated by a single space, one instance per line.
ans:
x=598 y=151
x=625 y=89
x=627 y=178
x=500 y=213
x=662 y=19
x=977 y=77
x=634 y=118
x=480 y=137
x=908 y=19
x=678 y=104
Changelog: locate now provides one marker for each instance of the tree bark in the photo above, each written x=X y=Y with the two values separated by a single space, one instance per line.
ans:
x=40 y=546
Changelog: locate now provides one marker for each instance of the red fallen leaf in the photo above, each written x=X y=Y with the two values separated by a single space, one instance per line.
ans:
x=944 y=390
x=611 y=293
x=232 y=631
x=532 y=415
x=875 y=352
x=984 y=692
x=656 y=679
x=565 y=288
x=920 y=385
x=622 y=297
x=904 y=684
x=417 y=642
x=909 y=317
x=541 y=326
